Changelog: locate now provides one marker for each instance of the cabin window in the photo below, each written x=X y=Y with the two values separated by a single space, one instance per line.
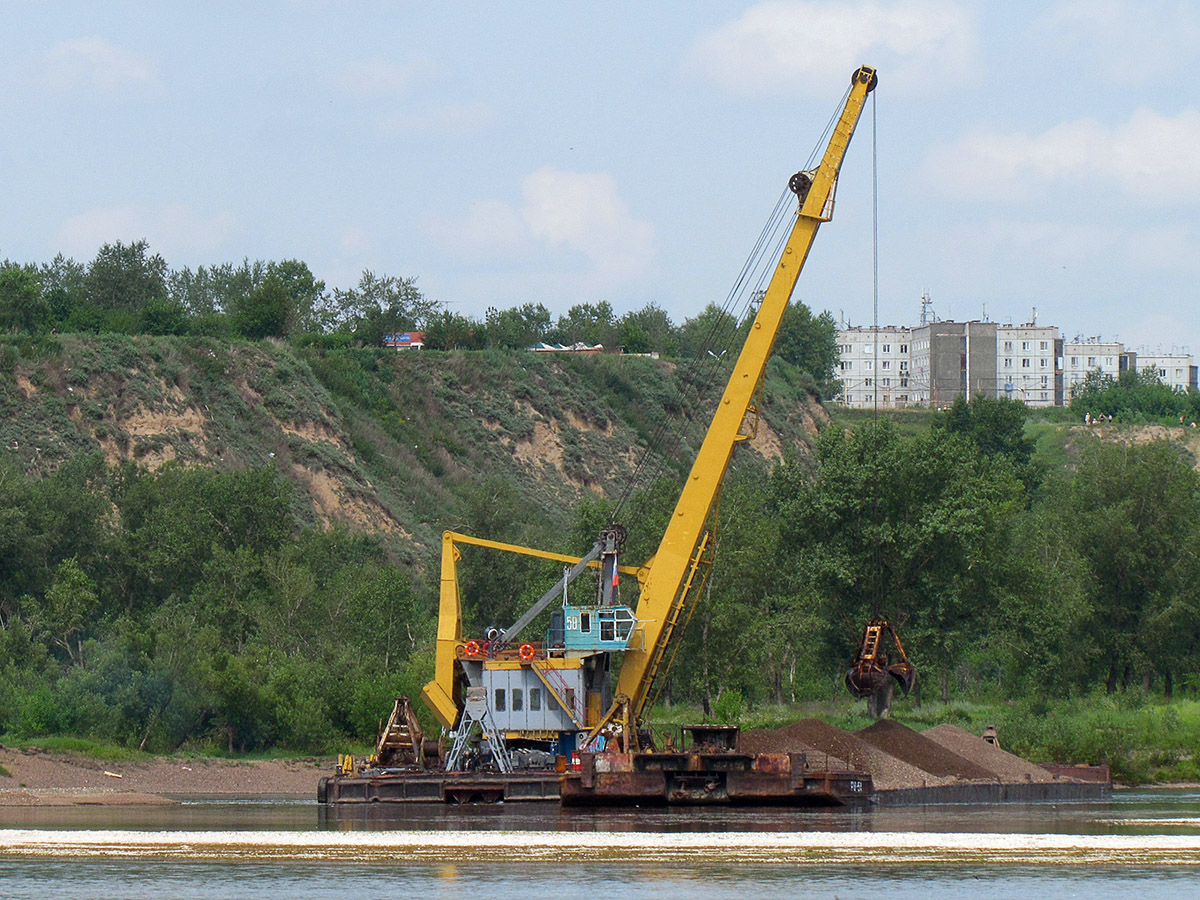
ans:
x=518 y=699
x=499 y=705
x=535 y=699
x=608 y=628
x=585 y=623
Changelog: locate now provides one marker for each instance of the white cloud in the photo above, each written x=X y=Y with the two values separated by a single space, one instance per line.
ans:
x=92 y=63
x=381 y=77
x=585 y=212
x=580 y=211
x=1147 y=159
x=1130 y=42
x=779 y=44
x=173 y=231
x=452 y=120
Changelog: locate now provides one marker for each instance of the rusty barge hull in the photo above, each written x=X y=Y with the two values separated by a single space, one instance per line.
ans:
x=440 y=787
x=618 y=779
x=709 y=779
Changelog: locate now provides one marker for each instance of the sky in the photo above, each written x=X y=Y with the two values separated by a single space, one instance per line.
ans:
x=1028 y=156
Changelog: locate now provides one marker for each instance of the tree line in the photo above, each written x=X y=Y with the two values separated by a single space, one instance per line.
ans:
x=193 y=607
x=127 y=289
x=1006 y=576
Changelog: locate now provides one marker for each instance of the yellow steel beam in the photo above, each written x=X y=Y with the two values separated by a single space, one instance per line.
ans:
x=663 y=584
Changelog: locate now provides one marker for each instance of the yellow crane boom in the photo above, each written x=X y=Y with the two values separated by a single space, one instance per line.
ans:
x=666 y=579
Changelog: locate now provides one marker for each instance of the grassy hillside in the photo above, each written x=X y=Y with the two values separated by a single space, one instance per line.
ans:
x=396 y=444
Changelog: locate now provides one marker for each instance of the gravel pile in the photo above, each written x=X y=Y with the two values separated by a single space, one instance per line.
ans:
x=788 y=740
x=1008 y=768
x=887 y=771
x=917 y=750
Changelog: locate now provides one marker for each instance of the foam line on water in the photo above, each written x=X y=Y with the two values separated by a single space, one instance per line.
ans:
x=521 y=846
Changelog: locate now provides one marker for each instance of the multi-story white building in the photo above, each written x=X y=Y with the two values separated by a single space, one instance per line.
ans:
x=1084 y=355
x=891 y=366
x=874 y=367
x=1175 y=370
x=1027 y=364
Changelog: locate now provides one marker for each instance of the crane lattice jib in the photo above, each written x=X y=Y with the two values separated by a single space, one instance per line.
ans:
x=664 y=582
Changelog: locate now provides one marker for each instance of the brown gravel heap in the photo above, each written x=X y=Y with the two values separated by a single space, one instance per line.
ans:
x=1008 y=768
x=887 y=772
x=787 y=740
x=917 y=750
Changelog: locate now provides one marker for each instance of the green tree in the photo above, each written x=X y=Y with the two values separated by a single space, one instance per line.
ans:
x=995 y=426
x=646 y=330
x=378 y=305
x=911 y=528
x=266 y=311
x=588 y=323
x=445 y=330
x=122 y=280
x=810 y=344
x=69 y=603
x=713 y=330
x=1133 y=396
x=22 y=307
x=517 y=328
x=63 y=288
x=306 y=294
x=1135 y=513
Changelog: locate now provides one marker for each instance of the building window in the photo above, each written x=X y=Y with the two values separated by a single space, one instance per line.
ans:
x=886 y=364
x=1091 y=362
x=887 y=382
x=1045 y=380
x=868 y=348
x=847 y=365
x=1074 y=361
x=904 y=383
x=1024 y=345
x=1008 y=364
x=1044 y=362
x=904 y=365
x=1045 y=345
x=866 y=382
x=499 y=705
x=868 y=365
x=1025 y=363
x=887 y=348
x=1008 y=346
x=904 y=348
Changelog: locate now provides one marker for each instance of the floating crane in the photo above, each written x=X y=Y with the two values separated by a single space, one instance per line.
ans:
x=512 y=704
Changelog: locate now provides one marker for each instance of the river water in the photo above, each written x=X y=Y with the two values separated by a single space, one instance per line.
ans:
x=1142 y=843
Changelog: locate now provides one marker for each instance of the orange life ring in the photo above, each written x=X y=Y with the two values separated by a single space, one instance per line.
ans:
x=527 y=651
x=472 y=648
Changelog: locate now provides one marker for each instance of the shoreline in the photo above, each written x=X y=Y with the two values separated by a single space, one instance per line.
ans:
x=38 y=777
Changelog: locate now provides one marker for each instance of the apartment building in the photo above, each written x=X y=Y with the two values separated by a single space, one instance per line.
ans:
x=1027 y=364
x=874 y=367
x=1084 y=355
x=951 y=360
x=891 y=366
x=1175 y=370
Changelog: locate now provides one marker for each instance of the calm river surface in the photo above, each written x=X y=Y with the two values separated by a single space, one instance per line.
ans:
x=1144 y=844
